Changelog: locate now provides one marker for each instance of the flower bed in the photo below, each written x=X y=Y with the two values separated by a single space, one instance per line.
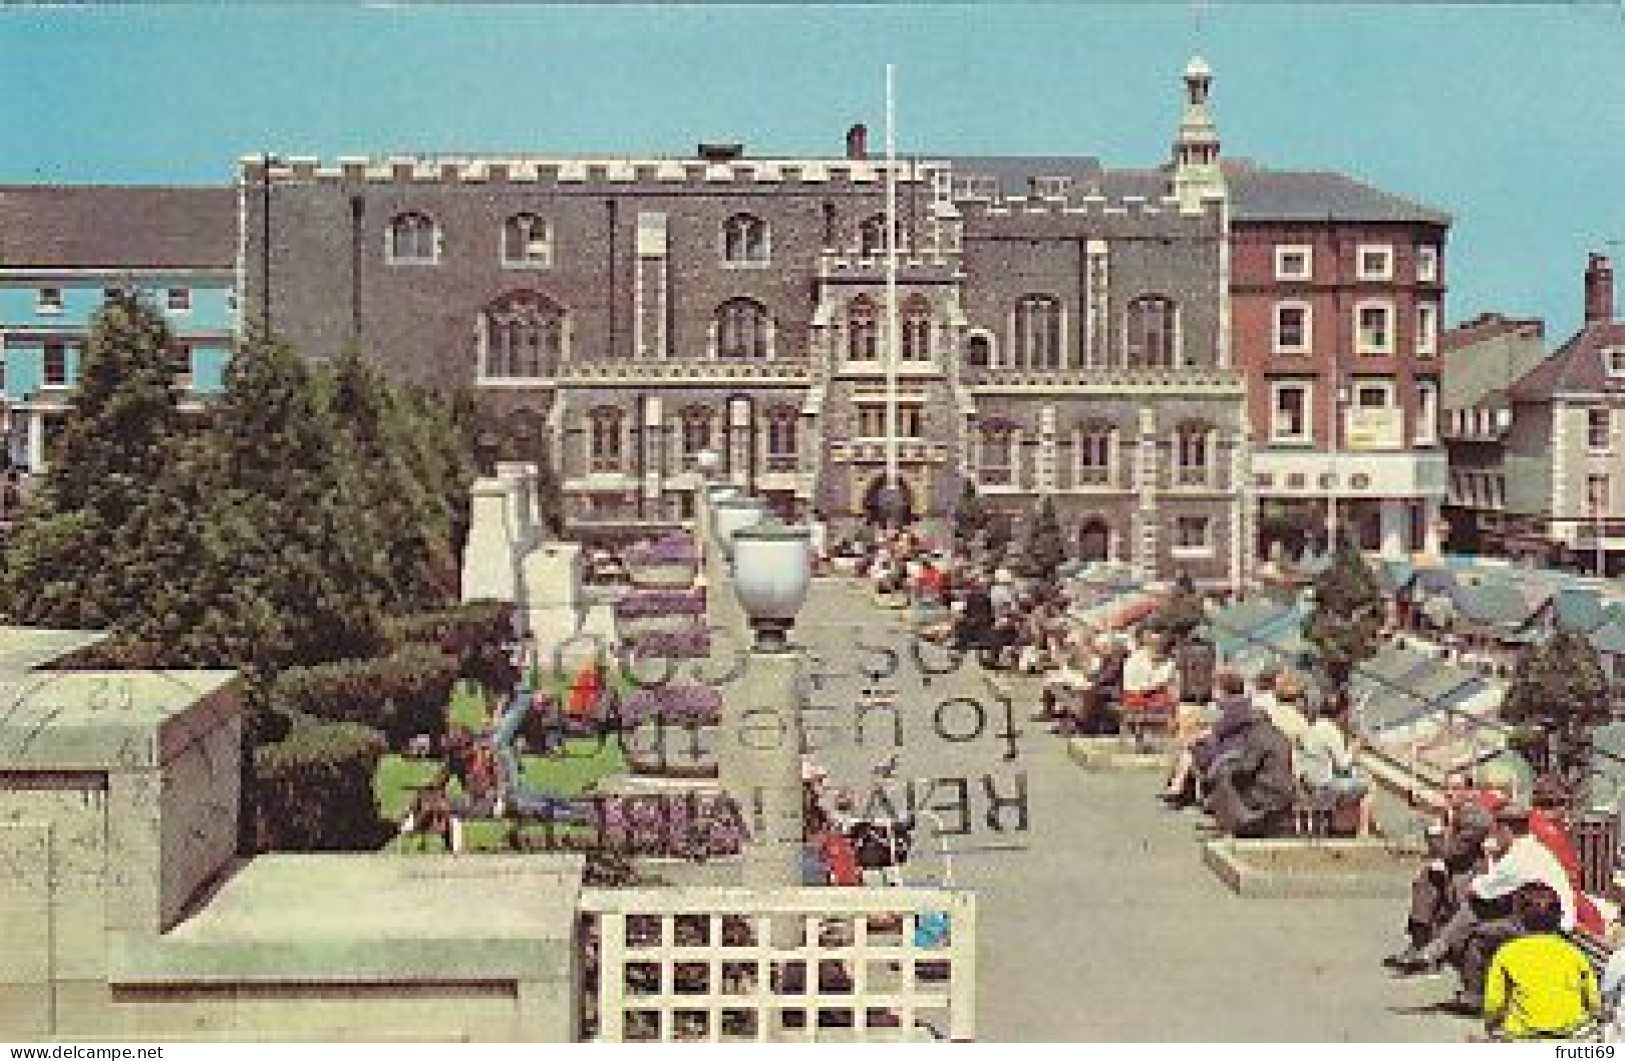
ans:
x=674 y=548
x=675 y=705
x=689 y=642
x=653 y=603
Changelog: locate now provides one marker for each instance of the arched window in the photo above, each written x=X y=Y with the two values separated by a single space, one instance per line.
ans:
x=697 y=423
x=607 y=426
x=412 y=237
x=872 y=236
x=783 y=437
x=1149 y=332
x=862 y=330
x=916 y=328
x=1038 y=332
x=979 y=351
x=996 y=465
x=744 y=331
x=1096 y=443
x=523 y=338
x=744 y=240
x=527 y=242
x=1193 y=453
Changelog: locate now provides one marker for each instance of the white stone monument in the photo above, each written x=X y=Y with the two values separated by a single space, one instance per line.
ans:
x=491 y=556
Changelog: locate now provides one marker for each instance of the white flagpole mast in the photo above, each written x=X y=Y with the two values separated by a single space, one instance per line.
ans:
x=893 y=496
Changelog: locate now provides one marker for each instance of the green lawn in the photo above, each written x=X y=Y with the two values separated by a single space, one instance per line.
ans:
x=585 y=763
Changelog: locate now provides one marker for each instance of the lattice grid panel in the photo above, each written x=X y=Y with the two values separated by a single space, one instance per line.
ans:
x=801 y=964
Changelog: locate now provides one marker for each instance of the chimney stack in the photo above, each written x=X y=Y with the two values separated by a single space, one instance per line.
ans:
x=857 y=143
x=1599 y=290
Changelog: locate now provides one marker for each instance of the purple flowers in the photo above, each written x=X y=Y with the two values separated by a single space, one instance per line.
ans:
x=674 y=548
x=648 y=603
x=688 y=642
x=675 y=705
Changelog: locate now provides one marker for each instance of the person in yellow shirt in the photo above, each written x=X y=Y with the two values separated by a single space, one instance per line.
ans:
x=1540 y=986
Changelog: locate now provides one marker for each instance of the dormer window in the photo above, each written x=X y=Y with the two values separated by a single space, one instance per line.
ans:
x=1613 y=359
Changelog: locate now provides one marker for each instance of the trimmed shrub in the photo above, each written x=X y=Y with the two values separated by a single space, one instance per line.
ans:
x=402 y=694
x=313 y=788
x=458 y=630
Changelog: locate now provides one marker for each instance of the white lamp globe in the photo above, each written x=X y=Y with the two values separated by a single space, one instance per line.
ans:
x=707 y=461
x=772 y=574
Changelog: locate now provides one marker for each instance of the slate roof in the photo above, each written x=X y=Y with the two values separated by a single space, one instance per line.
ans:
x=1576 y=366
x=1578 y=609
x=105 y=226
x=1492 y=602
x=1256 y=192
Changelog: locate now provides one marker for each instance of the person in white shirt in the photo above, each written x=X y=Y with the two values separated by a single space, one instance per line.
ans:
x=1489 y=917
x=1148 y=675
x=1323 y=759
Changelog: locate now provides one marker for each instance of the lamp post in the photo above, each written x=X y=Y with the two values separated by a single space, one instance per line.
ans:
x=891 y=501
x=732 y=515
x=761 y=764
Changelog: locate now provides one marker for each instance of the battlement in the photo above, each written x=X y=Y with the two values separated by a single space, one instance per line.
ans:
x=536 y=170
x=1091 y=205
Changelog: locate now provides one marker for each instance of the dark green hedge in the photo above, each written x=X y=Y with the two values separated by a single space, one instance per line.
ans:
x=457 y=630
x=402 y=694
x=313 y=788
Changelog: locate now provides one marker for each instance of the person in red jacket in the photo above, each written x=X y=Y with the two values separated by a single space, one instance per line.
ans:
x=1548 y=824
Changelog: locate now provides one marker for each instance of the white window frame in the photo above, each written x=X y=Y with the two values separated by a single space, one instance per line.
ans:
x=1386 y=272
x=1591 y=495
x=1308 y=343
x=1386 y=386
x=1613 y=361
x=1427 y=329
x=542 y=261
x=1427 y=413
x=46 y=383
x=1363 y=348
x=764 y=261
x=1307 y=389
x=49 y=306
x=1285 y=250
x=1607 y=430
x=1192 y=552
x=436 y=242
x=180 y=305
x=1427 y=263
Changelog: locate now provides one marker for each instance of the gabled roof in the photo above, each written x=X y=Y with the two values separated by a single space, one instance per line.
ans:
x=1576 y=367
x=1492 y=602
x=113 y=227
x=1609 y=638
x=1577 y=609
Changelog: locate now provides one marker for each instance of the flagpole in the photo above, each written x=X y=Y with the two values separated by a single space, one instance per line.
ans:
x=893 y=497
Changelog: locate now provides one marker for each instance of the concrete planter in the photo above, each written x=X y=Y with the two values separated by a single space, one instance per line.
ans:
x=1310 y=868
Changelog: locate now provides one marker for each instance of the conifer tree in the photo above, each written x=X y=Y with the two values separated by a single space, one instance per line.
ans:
x=1046 y=544
x=62 y=564
x=971 y=518
x=1348 y=615
x=1560 y=693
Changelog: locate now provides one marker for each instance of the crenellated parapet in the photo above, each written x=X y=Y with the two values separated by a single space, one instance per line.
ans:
x=545 y=171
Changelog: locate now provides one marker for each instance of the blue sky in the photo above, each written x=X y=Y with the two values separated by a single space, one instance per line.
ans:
x=1510 y=117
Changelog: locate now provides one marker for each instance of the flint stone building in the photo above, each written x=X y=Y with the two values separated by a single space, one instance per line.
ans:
x=1064 y=327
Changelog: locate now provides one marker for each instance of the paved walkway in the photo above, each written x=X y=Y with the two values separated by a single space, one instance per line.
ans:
x=1100 y=922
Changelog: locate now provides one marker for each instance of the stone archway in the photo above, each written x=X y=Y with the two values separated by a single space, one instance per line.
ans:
x=874 y=498
x=1094 y=539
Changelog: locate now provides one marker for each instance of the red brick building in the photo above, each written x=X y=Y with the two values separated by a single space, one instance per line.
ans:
x=1337 y=298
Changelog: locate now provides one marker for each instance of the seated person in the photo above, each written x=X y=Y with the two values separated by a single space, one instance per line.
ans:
x=1209 y=735
x=1324 y=762
x=1540 y=985
x=1488 y=918
x=1254 y=791
x=1548 y=823
x=1455 y=855
x=1063 y=684
x=1148 y=680
x=430 y=812
x=1098 y=710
